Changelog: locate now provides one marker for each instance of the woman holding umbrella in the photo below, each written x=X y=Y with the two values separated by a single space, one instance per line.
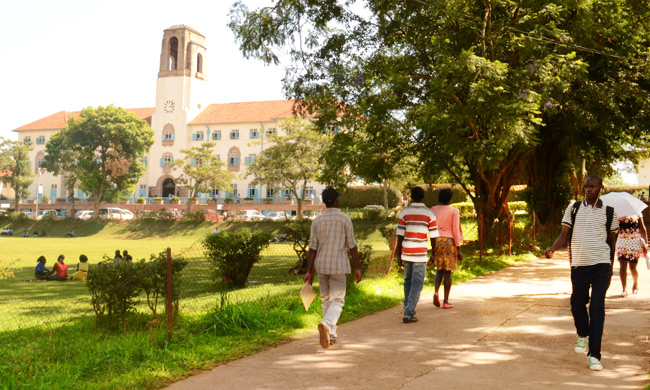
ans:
x=632 y=237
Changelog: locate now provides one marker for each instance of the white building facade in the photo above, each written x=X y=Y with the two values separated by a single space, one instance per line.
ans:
x=182 y=119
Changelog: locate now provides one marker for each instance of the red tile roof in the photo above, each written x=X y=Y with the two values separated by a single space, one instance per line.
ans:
x=245 y=112
x=60 y=119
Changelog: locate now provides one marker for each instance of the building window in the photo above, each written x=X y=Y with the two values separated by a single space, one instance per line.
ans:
x=39 y=162
x=199 y=63
x=215 y=193
x=252 y=192
x=233 y=194
x=233 y=160
x=271 y=131
x=143 y=186
x=198 y=136
x=166 y=160
x=54 y=186
x=40 y=140
x=27 y=140
x=270 y=192
x=216 y=136
x=253 y=134
x=234 y=134
x=173 y=53
x=218 y=157
x=143 y=160
x=250 y=159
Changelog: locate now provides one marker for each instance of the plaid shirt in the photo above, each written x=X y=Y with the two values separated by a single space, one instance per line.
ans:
x=331 y=236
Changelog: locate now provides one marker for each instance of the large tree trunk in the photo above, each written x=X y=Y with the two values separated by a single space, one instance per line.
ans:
x=385 y=188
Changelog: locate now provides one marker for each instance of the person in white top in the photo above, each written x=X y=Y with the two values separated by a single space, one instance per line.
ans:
x=593 y=228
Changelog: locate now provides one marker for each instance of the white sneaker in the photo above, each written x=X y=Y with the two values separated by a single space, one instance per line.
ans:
x=580 y=345
x=594 y=363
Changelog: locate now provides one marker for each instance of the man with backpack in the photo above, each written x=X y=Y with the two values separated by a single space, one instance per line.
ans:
x=591 y=228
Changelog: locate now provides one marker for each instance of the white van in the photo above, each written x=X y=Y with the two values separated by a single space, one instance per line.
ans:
x=110 y=213
x=84 y=214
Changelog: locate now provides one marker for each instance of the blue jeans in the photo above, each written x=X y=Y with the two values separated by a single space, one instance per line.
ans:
x=413 y=281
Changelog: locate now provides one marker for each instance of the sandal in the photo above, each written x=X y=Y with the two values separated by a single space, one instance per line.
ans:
x=436 y=300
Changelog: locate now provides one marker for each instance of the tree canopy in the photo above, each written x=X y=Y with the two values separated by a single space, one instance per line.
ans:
x=107 y=145
x=201 y=171
x=492 y=92
x=292 y=161
x=14 y=159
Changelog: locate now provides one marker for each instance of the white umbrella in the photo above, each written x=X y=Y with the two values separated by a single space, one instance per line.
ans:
x=624 y=204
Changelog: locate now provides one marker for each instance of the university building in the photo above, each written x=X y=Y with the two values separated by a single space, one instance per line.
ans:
x=181 y=119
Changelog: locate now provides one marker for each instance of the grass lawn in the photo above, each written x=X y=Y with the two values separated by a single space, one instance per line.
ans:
x=71 y=352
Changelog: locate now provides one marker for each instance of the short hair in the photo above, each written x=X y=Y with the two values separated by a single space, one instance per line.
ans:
x=445 y=195
x=41 y=259
x=61 y=258
x=594 y=176
x=329 y=196
x=417 y=194
x=83 y=258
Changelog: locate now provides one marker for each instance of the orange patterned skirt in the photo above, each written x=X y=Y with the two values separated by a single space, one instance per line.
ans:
x=446 y=254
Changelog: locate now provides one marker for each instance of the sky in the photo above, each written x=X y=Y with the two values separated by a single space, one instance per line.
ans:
x=69 y=54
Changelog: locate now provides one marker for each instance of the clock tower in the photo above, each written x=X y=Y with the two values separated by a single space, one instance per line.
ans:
x=180 y=91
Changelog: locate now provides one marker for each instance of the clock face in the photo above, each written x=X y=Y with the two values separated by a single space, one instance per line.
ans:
x=169 y=106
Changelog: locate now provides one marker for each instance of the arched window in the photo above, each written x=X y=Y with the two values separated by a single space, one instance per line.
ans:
x=234 y=156
x=166 y=160
x=199 y=63
x=168 y=132
x=173 y=53
x=40 y=158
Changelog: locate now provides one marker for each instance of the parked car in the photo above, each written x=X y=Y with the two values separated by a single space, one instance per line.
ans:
x=29 y=214
x=115 y=213
x=84 y=214
x=276 y=216
x=214 y=215
x=48 y=214
x=374 y=207
x=175 y=213
x=249 y=215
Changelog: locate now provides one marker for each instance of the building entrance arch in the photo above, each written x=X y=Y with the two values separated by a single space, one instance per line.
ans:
x=168 y=188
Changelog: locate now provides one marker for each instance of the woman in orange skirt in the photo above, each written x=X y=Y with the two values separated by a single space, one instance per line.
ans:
x=446 y=252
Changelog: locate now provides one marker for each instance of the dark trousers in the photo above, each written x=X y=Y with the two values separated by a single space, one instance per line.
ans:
x=590 y=324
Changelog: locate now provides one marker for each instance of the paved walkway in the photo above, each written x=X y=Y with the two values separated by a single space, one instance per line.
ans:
x=510 y=330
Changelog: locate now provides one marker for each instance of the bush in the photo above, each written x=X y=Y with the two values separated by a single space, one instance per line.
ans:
x=140 y=200
x=195 y=216
x=466 y=209
x=298 y=232
x=267 y=200
x=113 y=288
x=233 y=254
x=375 y=214
x=365 y=250
x=634 y=190
x=7 y=270
x=154 y=280
x=228 y=200
x=360 y=196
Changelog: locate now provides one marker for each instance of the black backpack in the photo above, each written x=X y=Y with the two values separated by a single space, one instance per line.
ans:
x=609 y=212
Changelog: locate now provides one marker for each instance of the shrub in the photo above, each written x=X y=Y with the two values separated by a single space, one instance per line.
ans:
x=228 y=200
x=175 y=198
x=195 y=216
x=7 y=270
x=154 y=280
x=375 y=214
x=248 y=198
x=267 y=200
x=365 y=250
x=466 y=209
x=298 y=232
x=233 y=254
x=140 y=200
x=626 y=188
x=113 y=288
x=17 y=217
x=360 y=196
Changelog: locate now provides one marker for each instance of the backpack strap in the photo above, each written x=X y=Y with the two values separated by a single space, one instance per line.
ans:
x=574 y=212
x=609 y=212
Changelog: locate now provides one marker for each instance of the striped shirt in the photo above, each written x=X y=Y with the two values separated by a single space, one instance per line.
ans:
x=589 y=239
x=415 y=223
x=331 y=236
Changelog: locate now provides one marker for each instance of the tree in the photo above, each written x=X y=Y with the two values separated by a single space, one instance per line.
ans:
x=202 y=171
x=14 y=159
x=473 y=84
x=107 y=143
x=292 y=161
x=62 y=161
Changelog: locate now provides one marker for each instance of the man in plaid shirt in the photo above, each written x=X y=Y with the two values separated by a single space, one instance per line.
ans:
x=331 y=237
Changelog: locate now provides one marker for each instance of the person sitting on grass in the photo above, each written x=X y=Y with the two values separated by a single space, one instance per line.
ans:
x=43 y=234
x=118 y=256
x=41 y=272
x=70 y=233
x=25 y=233
x=82 y=268
x=126 y=256
x=35 y=233
x=61 y=270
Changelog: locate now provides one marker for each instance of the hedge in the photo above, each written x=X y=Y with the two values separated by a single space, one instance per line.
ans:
x=625 y=188
x=466 y=209
x=361 y=196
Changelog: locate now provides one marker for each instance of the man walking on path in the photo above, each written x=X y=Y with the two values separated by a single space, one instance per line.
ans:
x=592 y=227
x=331 y=236
x=414 y=224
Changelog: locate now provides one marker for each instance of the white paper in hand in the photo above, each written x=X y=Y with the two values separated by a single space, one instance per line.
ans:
x=307 y=294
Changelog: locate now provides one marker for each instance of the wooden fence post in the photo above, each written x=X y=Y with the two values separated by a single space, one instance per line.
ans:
x=169 y=294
